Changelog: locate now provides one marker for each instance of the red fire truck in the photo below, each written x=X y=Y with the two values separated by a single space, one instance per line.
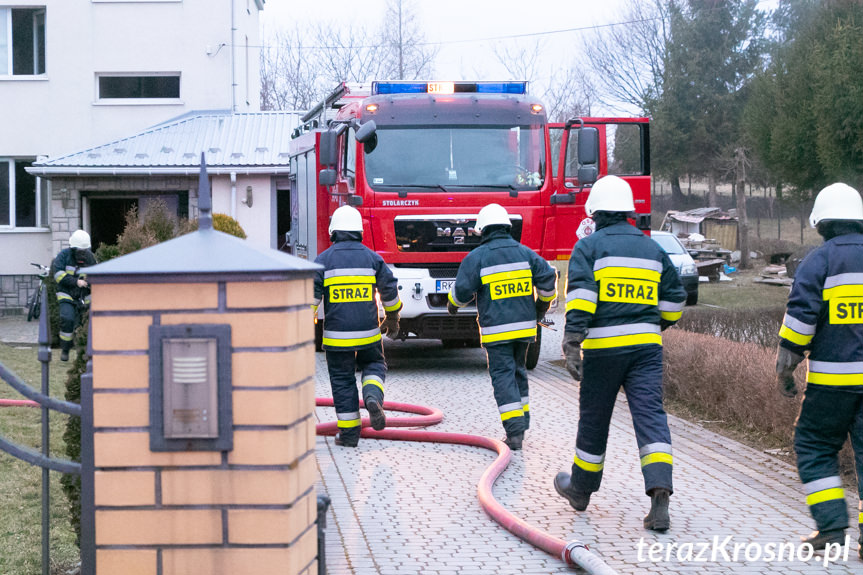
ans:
x=420 y=159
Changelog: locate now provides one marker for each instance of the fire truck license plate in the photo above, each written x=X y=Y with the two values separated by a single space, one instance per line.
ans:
x=444 y=286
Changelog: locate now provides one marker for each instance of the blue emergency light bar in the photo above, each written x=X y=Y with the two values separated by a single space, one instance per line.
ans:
x=449 y=87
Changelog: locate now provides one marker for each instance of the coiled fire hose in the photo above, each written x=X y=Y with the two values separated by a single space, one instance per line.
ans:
x=573 y=553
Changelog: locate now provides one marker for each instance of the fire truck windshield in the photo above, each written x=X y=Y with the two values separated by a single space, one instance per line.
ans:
x=454 y=158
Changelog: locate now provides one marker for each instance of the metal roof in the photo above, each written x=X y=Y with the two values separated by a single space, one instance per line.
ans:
x=202 y=252
x=243 y=143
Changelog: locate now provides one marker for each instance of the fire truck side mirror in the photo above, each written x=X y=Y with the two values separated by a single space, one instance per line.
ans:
x=588 y=155
x=327 y=178
x=328 y=153
x=366 y=131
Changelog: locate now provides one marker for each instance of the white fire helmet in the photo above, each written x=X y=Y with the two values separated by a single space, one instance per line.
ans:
x=346 y=219
x=836 y=202
x=609 y=194
x=492 y=214
x=80 y=239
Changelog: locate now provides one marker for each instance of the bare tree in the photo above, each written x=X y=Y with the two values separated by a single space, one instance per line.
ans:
x=409 y=56
x=567 y=92
x=289 y=79
x=348 y=54
x=628 y=59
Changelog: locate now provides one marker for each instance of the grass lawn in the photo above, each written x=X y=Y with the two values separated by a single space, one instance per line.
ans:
x=742 y=292
x=21 y=483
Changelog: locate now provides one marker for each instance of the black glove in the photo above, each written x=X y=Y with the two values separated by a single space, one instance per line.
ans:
x=452 y=309
x=390 y=325
x=664 y=324
x=786 y=362
x=541 y=308
x=572 y=353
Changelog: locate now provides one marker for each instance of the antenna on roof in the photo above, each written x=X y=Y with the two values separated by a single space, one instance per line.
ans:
x=205 y=203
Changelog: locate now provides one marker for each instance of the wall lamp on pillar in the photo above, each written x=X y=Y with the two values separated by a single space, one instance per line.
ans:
x=249 y=197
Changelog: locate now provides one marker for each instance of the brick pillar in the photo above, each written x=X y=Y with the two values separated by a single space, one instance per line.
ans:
x=250 y=510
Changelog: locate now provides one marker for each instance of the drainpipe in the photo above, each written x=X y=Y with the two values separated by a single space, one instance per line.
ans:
x=233 y=62
x=234 y=195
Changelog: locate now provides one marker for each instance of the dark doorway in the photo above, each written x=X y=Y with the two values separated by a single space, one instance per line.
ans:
x=108 y=218
x=283 y=219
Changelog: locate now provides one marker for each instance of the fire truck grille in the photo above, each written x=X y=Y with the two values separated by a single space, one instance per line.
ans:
x=441 y=235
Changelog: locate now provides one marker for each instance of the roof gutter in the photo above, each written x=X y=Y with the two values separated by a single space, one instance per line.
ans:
x=44 y=171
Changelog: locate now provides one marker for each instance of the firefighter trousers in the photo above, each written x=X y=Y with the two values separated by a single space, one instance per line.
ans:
x=639 y=372
x=68 y=323
x=826 y=418
x=506 y=366
x=342 y=367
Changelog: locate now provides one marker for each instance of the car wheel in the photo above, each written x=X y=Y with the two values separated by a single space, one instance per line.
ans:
x=533 y=350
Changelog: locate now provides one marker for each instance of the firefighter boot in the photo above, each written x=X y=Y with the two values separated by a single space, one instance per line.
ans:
x=347 y=440
x=820 y=539
x=658 y=519
x=514 y=441
x=64 y=355
x=376 y=413
x=578 y=499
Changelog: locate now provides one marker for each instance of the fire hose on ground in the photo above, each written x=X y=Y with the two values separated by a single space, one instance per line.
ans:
x=572 y=553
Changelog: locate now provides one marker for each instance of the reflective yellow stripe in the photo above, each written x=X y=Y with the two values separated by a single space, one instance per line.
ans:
x=657 y=458
x=349 y=423
x=63 y=297
x=525 y=407
x=595 y=467
x=860 y=518
x=314 y=310
x=547 y=298
x=581 y=304
x=509 y=335
x=373 y=382
x=622 y=340
x=786 y=332
x=59 y=275
x=66 y=337
x=838 y=379
x=510 y=414
x=349 y=342
x=393 y=307
x=670 y=315
x=335 y=280
x=825 y=495
x=632 y=273
x=852 y=290
x=451 y=299
x=500 y=276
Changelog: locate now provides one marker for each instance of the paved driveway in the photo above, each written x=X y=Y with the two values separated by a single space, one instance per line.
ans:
x=405 y=507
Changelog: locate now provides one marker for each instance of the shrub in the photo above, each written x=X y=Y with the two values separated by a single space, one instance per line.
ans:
x=107 y=252
x=221 y=222
x=729 y=381
x=72 y=436
x=759 y=326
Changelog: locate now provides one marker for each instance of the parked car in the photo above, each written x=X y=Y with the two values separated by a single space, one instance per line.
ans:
x=684 y=263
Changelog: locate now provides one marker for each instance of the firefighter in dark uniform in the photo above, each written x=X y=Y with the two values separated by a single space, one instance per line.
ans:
x=73 y=290
x=824 y=315
x=622 y=290
x=502 y=274
x=352 y=337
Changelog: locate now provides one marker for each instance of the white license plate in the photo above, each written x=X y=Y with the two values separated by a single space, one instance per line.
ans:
x=444 y=286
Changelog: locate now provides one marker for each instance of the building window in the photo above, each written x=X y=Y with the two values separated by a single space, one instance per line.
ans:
x=22 y=203
x=22 y=41
x=139 y=87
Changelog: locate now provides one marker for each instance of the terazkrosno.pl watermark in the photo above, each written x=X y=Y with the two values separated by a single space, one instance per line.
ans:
x=727 y=550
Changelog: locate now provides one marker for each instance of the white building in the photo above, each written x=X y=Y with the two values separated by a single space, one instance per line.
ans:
x=77 y=74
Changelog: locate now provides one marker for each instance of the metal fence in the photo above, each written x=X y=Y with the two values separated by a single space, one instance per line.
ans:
x=42 y=459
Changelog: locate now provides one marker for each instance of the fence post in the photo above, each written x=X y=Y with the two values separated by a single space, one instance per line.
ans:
x=44 y=356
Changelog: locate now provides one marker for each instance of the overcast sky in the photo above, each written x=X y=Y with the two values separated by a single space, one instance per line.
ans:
x=466 y=29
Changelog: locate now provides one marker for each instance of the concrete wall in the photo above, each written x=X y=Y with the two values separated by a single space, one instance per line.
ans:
x=58 y=112
x=248 y=511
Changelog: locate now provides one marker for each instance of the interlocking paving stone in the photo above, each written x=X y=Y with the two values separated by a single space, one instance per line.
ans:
x=408 y=507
